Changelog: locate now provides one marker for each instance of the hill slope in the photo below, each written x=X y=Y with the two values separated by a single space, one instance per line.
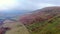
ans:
x=43 y=21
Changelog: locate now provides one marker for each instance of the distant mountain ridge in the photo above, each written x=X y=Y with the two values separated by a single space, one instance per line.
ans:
x=9 y=13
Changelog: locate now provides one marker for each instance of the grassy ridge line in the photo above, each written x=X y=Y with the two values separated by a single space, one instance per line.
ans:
x=34 y=25
x=46 y=22
x=50 y=25
x=39 y=24
x=43 y=21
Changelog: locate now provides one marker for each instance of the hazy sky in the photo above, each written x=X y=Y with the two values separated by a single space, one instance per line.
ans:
x=27 y=4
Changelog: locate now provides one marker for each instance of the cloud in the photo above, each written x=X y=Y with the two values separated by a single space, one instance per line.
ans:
x=42 y=5
x=27 y=4
x=36 y=4
x=8 y=4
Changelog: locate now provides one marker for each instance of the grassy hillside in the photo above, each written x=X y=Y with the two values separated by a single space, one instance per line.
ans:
x=43 y=21
x=48 y=27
